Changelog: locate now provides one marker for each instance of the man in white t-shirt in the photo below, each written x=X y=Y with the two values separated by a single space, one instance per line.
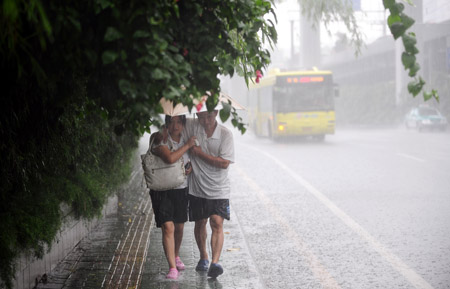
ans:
x=209 y=186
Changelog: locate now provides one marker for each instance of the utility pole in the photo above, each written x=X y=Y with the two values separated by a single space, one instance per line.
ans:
x=292 y=39
x=310 y=52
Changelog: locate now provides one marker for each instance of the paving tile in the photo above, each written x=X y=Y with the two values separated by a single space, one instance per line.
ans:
x=125 y=251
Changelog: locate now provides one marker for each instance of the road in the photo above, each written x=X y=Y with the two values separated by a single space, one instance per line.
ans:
x=364 y=209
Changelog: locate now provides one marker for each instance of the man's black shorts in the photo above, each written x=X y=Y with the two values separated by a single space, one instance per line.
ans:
x=170 y=206
x=200 y=208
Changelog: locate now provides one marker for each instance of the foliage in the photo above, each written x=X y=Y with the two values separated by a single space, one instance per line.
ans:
x=399 y=23
x=140 y=51
x=330 y=11
x=50 y=158
x=82 y=82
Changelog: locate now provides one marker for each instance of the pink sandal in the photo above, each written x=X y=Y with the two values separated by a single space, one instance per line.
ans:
x=179 y=263
x=173 y=274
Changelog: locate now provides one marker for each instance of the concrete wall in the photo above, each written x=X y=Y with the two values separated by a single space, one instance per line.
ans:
x=30 y=269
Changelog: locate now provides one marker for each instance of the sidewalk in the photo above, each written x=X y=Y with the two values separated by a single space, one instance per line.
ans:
x=239 y=269
x=125 y=251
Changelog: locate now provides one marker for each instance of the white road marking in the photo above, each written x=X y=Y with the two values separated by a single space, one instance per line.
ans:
x=411 y=157
x=318 y=269
x=415 y=279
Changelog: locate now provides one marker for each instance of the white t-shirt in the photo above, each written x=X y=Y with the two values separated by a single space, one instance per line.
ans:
x=207 y=181
x=176 y=145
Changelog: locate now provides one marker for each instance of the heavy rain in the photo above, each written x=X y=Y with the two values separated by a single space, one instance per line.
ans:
x=338 y=170
x=342 y=180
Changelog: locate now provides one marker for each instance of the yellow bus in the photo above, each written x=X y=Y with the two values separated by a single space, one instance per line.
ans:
x=293 y=103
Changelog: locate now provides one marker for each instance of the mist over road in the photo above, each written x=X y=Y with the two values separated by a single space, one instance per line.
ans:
x=364 y=209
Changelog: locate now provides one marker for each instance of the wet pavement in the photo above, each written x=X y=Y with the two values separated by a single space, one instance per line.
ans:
x=239 y=270
x=125 y=251
x=356 y=211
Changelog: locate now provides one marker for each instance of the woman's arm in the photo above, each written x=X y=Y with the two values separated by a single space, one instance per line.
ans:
x=170 y=157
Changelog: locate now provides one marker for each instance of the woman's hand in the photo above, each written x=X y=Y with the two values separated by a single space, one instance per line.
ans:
x=191 y=141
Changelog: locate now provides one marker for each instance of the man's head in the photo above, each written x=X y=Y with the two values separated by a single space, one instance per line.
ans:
x=207 y=119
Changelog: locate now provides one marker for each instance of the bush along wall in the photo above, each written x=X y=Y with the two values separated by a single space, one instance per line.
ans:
x=53 y=154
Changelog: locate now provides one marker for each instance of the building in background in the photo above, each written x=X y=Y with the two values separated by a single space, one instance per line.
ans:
x=436 y=11
x=373 y=86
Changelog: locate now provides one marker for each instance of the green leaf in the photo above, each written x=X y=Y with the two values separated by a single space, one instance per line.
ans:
x=10 y=9
x=91 y=56
x=104 y=113
x=154 y=21
x=413 y=70
x=407 y=21
x=125 y=86
x=415 y=86
x=397 y=8
x=141 y=34
x=159 y=74
x=393 y=19
x=75 y=22
x=105 y=4
x=44 y=18
x=112 y=34
x=433 y=94
x=388 y=3
x=225 y=111
x=409 y=41
x=408 y=60
x=109 y=56
x=123 y=55
x=397 y=29
x=414 y=50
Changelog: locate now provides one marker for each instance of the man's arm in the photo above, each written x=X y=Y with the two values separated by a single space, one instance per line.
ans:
x=212 y=160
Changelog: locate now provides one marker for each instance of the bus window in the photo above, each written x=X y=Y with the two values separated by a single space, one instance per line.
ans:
x=303 y=98
x=265 y=103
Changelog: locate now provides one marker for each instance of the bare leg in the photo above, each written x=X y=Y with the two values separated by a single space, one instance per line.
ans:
x=179 y=227
x=168 y=229
x=200 y=237
x=217 y=237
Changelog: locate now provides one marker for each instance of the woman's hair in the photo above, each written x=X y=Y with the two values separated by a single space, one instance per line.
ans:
x=169 y=119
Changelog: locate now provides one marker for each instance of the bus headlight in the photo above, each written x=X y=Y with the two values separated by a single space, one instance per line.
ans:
x=281 y=126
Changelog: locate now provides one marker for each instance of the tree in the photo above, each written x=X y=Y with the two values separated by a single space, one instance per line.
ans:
x=329 y=11
x=83 y=80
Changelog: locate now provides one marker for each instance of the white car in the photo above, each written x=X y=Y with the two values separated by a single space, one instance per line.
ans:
x=424 y=117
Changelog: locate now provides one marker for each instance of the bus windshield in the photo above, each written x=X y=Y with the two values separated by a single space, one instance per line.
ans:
x=305 y=97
